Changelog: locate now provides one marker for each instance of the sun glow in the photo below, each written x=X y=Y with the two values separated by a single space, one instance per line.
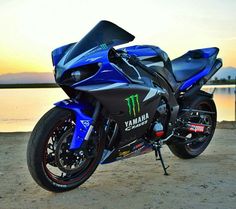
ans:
x=31 y=29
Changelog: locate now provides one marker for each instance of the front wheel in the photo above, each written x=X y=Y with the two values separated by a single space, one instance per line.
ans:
x=50 y=161
x=191 y=150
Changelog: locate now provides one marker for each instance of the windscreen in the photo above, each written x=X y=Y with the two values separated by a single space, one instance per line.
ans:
x=104 y=34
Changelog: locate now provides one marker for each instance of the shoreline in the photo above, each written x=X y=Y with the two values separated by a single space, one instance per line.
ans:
x=15 y=132
x=220 y=125
x=226 y=125
x=55 y=85
x=28 y=85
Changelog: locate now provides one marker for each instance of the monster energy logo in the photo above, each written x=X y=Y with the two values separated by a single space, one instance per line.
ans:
x=133 y=104
x=103 y=46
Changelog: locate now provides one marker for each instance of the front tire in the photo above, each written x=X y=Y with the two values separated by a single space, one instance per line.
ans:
x=187 y=151
x=51 y=164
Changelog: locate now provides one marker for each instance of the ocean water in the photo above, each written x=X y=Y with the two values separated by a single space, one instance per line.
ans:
x=20 y=109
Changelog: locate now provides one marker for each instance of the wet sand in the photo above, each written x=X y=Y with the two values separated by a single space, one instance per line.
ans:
x=205 y=182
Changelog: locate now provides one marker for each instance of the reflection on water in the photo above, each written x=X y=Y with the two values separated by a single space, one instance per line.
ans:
x=219 y=90
x=22 y=108
x=224 y=97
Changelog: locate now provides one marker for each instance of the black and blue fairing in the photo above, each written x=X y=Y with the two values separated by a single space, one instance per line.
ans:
x=92 y=49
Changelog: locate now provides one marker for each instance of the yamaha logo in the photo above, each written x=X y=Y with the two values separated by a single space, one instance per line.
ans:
x=136 y=122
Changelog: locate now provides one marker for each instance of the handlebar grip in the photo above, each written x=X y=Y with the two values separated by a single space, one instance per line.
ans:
x=133 y=60
x=136 y=62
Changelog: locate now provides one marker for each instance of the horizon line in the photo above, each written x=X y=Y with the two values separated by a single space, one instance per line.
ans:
x=25 y=72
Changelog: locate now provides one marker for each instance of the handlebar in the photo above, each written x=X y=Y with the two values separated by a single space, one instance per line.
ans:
x=131 y=59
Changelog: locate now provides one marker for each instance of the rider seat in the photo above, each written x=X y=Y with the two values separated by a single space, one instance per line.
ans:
x=192 y=63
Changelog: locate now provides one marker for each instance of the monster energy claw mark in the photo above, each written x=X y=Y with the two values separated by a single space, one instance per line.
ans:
x=133 y=104
x=103 y=46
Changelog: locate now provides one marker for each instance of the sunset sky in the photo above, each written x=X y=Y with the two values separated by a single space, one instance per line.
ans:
x=31 y=29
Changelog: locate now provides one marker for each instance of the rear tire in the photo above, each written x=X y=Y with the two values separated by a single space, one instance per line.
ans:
x=186 y=151
x=37 y=152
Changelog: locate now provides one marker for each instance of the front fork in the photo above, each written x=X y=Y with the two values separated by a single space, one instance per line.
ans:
x=84 y=123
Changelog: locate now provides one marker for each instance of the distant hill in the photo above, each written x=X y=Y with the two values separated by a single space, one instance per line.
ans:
x=29 y=78
x=26 y=78
x=223 y=73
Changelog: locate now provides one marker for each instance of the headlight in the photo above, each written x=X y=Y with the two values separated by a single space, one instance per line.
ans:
x=76 y=75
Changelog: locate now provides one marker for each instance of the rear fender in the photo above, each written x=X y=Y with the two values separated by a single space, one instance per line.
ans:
x=83 y=122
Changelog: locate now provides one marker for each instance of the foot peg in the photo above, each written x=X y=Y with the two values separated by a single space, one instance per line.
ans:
x=157 y=149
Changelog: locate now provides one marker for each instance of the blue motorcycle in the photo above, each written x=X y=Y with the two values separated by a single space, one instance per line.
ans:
x=123 y=102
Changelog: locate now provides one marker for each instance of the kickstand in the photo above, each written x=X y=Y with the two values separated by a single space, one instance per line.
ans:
x=157 y=149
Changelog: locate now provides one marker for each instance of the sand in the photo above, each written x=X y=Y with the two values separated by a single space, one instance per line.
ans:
x=208 y=181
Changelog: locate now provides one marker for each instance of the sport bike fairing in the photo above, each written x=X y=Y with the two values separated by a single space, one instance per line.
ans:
x=91 y=49
x=131 y=104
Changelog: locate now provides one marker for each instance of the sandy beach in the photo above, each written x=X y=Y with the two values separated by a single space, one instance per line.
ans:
x=205 y=182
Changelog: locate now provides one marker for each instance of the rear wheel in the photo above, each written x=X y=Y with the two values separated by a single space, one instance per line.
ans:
x=50 y=161
x=194 y=149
